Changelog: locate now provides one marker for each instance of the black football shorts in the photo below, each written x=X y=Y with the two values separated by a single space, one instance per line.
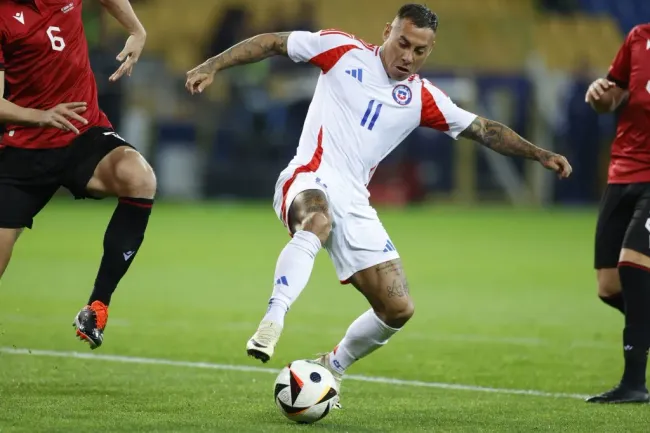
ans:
x=623 y=222
x=30 y=177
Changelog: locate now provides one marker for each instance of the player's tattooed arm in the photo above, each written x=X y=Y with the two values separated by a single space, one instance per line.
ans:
x=500 y=138
x=250 y=51
x=505 y=141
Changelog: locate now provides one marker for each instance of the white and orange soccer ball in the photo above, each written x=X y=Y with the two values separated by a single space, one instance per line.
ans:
x=305 y=391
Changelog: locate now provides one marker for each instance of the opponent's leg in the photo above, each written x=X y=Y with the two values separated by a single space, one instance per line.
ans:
x=634 y=271
x=8 y=238
x=19 y=204
x=387 y=290
x=310 y=223
x=614 y=215
x=125 y=174
x=609 y=288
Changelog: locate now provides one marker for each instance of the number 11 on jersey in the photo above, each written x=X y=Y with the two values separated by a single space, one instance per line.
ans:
x=375 y=116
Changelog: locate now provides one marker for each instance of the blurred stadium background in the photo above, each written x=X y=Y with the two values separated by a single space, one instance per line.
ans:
x=524 y=62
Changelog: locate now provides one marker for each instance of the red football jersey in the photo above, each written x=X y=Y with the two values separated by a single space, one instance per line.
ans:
x=630 y=158
x=44 y=54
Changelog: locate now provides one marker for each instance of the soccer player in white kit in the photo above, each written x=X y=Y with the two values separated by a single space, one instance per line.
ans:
x=367 y=100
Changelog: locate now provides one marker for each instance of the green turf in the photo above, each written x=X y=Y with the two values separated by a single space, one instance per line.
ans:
x=504 y=299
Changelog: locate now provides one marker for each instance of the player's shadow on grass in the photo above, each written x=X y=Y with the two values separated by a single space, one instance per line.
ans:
x=328 y=424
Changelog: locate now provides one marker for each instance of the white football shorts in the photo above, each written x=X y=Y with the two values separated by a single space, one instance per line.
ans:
x=358 y=239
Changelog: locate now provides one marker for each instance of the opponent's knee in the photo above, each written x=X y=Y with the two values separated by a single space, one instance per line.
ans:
x=396 y=314
x=8 y=238
x=635 y=257
x=134 y=177
x=609 y=283
x=319 y=223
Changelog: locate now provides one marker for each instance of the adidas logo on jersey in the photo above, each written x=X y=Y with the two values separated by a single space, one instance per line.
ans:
x=356 y=73
x=67 y=8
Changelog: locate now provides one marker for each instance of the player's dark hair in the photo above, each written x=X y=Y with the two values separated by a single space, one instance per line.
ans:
x=420 y=15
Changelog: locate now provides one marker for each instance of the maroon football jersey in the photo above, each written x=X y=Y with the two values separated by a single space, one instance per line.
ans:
x=630 y=158
x=44 y=54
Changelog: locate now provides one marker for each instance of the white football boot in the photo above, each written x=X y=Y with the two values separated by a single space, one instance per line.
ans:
x=262 y=343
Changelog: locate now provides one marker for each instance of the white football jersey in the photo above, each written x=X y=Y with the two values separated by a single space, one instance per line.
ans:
x=358 y=115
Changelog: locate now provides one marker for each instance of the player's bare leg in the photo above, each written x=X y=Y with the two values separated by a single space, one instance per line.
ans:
x=310 y=223
x=634 y=271
x=387 y=290
x=8 y=238
x=609 y=288
x=125 y=174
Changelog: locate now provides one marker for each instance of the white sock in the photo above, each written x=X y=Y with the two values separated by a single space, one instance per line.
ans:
x=292 y=273
x=365 y=335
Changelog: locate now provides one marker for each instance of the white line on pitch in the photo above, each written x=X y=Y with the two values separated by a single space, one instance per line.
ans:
x=208 y=365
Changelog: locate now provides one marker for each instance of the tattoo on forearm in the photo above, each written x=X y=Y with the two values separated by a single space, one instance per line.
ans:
x=251 y=50
x=501 y=139
x=399 y=288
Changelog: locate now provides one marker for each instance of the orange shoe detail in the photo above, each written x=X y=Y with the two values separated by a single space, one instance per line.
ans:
x=101 y=312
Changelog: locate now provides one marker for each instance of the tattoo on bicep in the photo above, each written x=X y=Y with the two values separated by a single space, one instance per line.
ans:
x=281 y=43
x=251 y=50
x=473 y=131
x=484 y=131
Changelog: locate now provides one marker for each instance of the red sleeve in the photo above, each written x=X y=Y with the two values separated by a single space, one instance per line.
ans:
x=619 y=71
x=323 y=49
x=2 y=53
x=440 y=113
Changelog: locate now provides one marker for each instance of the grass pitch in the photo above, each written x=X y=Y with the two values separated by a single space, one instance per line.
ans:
x=505 y=300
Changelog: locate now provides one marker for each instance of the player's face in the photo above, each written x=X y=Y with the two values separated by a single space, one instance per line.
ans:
x=406 y=47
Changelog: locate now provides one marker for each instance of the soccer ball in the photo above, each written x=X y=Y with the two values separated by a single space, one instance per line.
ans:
x=304 y=391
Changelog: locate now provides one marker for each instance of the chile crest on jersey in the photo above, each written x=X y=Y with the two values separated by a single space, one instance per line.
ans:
x=402 y=94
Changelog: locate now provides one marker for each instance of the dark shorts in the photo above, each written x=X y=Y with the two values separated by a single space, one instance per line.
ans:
x=30 y=177
x=623 y=222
